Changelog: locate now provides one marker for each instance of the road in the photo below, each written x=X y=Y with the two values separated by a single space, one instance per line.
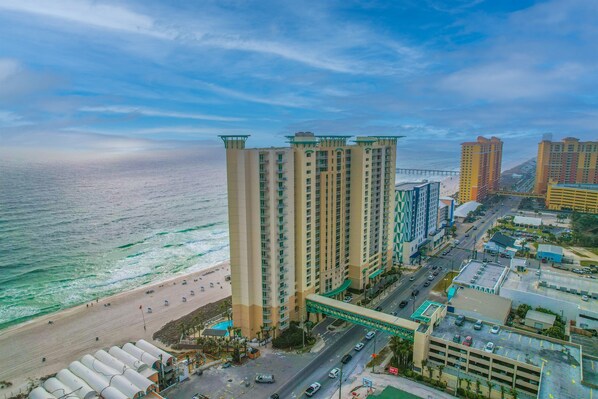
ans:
x=341 y=343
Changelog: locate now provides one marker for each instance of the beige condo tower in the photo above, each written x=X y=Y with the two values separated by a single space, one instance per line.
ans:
x=310 y=218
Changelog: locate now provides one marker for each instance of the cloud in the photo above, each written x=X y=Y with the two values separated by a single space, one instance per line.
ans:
x=90 y=13
x=10 y=119
x=135 y=110
x=292 y=101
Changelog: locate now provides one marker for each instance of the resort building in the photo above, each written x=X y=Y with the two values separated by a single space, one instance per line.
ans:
x=482 y=276
x=310 y=218
x=481 y=162
x=446 y=212
x=568 y=161
x=415 y=219
x=572 y=197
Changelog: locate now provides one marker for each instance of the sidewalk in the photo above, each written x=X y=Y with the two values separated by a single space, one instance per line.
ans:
x=381 y=381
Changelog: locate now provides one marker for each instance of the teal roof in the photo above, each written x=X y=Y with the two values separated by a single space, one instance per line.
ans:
x=338 y=290
x=426 y=310
x=376 y=273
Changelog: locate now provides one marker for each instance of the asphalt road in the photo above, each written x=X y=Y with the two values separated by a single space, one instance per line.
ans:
x=342 y=343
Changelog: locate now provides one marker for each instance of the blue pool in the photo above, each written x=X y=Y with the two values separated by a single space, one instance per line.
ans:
x=223 y=325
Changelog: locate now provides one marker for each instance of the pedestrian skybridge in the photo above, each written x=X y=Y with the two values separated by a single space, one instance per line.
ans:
x=363 y=316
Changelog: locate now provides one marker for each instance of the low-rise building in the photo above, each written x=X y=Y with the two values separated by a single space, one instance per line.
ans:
x=482 y=276
x=526 y=221
x=502 y=244
x=480 y=305
x=463 y=210
x=539 y=320
x=446 y=212
x=573 y=197
x=551 y=253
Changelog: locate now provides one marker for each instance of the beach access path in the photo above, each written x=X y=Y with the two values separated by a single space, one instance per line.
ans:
x=72 y=332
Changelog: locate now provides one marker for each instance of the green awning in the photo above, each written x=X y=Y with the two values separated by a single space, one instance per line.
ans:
x=376 y=273
x=338 y=290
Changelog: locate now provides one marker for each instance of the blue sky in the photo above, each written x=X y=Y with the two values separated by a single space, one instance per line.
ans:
x=102 y=77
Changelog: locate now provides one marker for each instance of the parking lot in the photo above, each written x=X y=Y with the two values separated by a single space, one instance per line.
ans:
x=219 y=383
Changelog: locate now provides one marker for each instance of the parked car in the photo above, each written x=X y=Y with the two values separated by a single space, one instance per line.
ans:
x=495 y=329
x=334 y=372
x=313 y=388
x=370 y=335
x=359 y=346
x=346 y=359
x=478 y=325
x=264 y=379
x=585 y=298
x=411 y=278
x=457 y=338
x=489 y=347
x=468 y=341
x=460 y=320
x=393 y=313
x=348 y=299
x=378 y=308
x=403 y=304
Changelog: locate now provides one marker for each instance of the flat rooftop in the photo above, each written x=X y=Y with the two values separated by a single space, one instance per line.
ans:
x=464 y=209
x=406 y=186
x=528 y=221
x=486 y=275
x=561 y=377
x=581 y=186
x=555 y=285
x=487 y=306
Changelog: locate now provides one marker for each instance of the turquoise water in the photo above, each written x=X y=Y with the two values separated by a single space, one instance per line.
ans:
x=223 y=325
x=74 y=231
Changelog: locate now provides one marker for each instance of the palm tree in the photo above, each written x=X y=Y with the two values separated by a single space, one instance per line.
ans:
x=468 y=386
x=273 y=332
x=440 y=370
x=503 y=391
x=477 y=387
x=513 y=393
x=490 y=385
x=424 y=364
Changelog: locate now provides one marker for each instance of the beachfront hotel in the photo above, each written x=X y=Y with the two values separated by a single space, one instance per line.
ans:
x=314 y=217
x=568 y=161
x=572 y=197
x=481 y=162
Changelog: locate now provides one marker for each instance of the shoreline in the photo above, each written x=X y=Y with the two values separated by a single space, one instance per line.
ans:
x=114 y=320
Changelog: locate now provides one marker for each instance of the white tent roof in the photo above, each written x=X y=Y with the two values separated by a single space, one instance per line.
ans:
x=115 y=378
x=127 y=359
x=56 y=387
x=132 y=375
x=96 y=381
x=40 y=393
x=142 y=355
x=527 y=221
x=79 y=387
x=167 y=358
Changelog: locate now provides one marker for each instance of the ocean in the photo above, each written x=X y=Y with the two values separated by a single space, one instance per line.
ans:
x=74 y=231
x=71 y=232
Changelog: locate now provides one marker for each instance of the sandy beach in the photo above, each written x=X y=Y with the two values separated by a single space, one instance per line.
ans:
x=72 y=332
x=449 y=186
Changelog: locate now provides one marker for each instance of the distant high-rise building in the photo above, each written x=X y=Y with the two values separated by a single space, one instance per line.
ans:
x=314 y=217
x=416 y=219
x=567 y=161
x=481 y=162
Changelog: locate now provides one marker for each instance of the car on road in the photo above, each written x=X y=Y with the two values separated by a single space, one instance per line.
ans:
x=348 y=299
x=264 y=379
x=427 y=284
x=346 y=359
x=478 y=325
x=334 y=372
x=489 y=347
x=434 y=267
x=411 y=278
x=435 y=273
x=468 y=341
x=274 y=396
x=495 y=329
x=403 y=304
x=467 y=235
x=370 y=335
x=359 y=346
x=430 y=277
x=460 y=320
x=444 y=253
x=414 y=292
x=393 y=313
x=378 y=308
x=475 y=227
x=313 y=388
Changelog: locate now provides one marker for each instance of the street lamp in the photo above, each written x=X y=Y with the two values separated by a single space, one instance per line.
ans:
x=340 y=381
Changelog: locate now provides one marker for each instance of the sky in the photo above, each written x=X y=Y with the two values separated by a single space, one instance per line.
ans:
x=81 y=78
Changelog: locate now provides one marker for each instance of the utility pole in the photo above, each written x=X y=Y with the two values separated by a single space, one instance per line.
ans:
x=340 y=382
x=374 y=353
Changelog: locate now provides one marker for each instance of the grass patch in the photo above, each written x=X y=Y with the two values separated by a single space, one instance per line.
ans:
x=380 y=358
x=446 y=282
x=593 y=250
x=577 y=253
x=588 y=262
